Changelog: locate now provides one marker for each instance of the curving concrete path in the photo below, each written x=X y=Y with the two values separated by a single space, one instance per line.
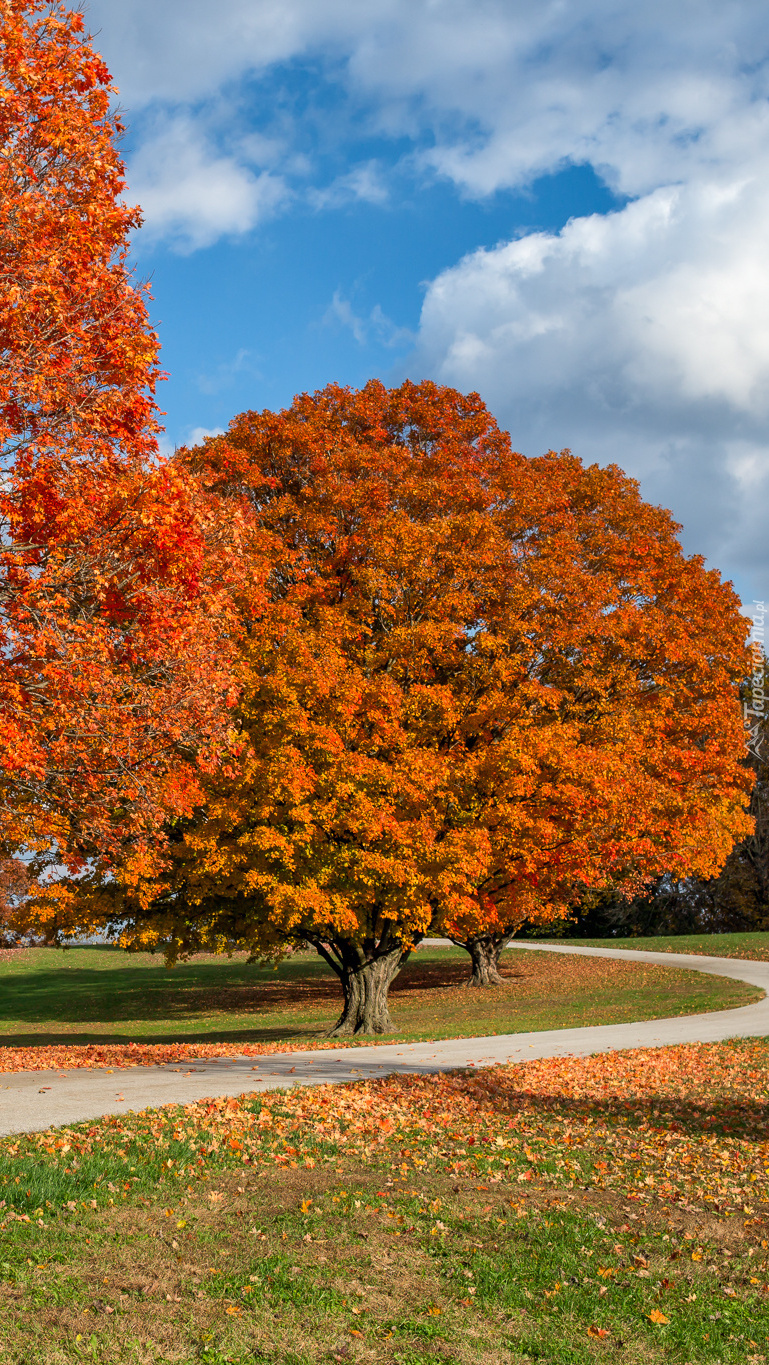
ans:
x=35 y=1100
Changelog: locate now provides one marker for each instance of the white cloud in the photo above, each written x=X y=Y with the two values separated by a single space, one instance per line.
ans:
x=365 y=182
x=340 y=310
x=492 y=93
x=194 y=436
x=641 y=336
x=505 y=89
x=197 y=435
x=667 y=299
x=193 y=194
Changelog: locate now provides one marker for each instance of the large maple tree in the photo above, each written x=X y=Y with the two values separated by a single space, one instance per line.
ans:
x=106 y=646
x=481 y=683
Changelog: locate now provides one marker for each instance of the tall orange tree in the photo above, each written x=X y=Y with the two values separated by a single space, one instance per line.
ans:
x=106 y=673
x=480 y=683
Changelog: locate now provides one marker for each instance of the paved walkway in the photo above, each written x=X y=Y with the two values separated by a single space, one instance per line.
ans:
x=34 y=1100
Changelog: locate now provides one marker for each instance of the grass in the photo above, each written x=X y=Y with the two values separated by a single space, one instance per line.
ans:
x=564 y=1212
x=754 y=946
x=89 y=996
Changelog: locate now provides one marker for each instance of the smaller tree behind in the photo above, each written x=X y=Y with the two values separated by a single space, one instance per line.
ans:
x=736 y=899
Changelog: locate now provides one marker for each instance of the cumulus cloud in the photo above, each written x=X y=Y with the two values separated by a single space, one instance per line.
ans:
x=193 y=194
x=182 y=51
x=667 y=298
x=640 y=336
x=489 y=93
x=503 y=90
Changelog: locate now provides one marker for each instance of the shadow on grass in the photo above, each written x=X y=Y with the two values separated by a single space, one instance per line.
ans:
x=67 y=993
x=731 y=1115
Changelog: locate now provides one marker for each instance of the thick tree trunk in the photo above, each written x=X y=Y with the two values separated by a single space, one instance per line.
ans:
x=365 y=980
x=365 y=997
x=484 y=950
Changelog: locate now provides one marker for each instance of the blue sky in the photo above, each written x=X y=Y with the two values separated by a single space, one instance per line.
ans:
x=324 y=294
x=563 y=206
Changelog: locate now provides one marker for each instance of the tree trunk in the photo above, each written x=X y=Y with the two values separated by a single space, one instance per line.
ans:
x=365 y=996
x=484 y=950
x=365 y=981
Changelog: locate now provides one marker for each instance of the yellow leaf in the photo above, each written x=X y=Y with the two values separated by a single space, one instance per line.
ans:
x=657 y=1316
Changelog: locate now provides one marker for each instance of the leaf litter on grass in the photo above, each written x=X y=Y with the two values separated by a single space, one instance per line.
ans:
x=605 y=1198
x=686 y=1122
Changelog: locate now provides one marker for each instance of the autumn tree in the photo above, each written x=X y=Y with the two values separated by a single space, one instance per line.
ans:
x=736 y=899
x=480 y=683
x=107 y=649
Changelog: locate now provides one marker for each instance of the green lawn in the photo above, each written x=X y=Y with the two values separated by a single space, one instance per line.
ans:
x=566 y=1212
x=85 y=996
x=754 y=946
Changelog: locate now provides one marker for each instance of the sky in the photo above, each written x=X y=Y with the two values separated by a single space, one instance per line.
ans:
x=561 y=205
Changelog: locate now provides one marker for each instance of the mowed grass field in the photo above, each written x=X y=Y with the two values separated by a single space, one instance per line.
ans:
x=95 y=996
x=564 y=1212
